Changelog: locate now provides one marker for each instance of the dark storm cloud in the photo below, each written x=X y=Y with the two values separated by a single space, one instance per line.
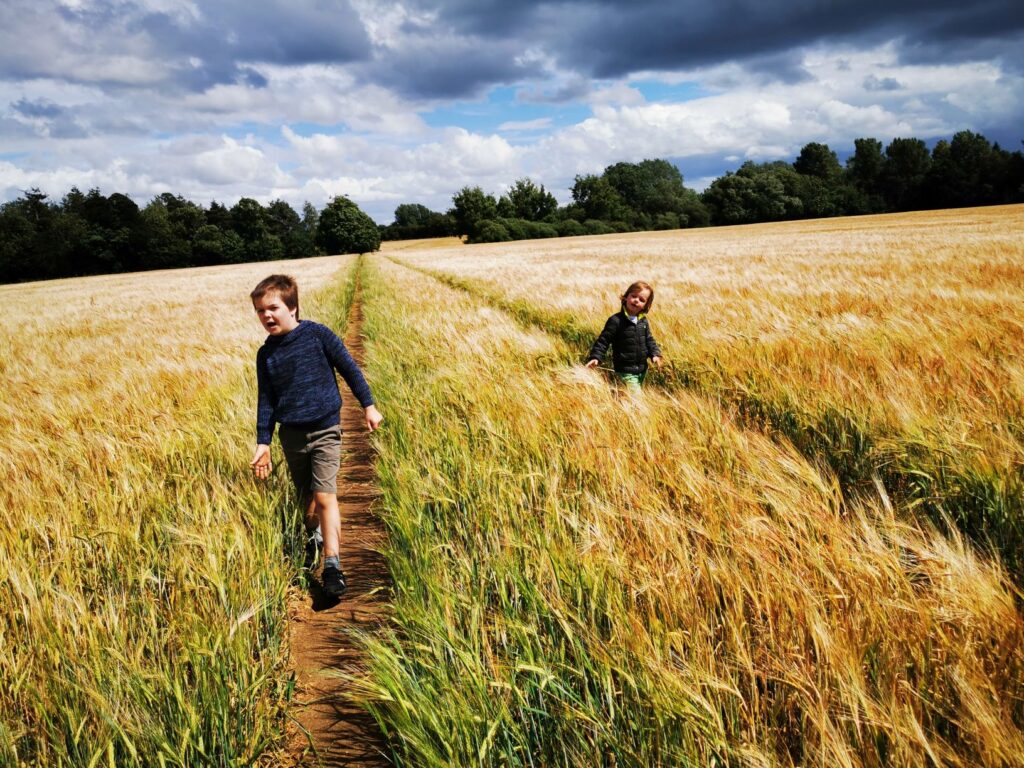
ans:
x=986 y=31
x=452 y=48
x=495 y=18
x=228 y=35
x=274 y=32
x=608 y=38
x=987 y=19
x=683 y=35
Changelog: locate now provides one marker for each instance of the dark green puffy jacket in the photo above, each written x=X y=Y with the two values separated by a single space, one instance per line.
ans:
x=632 y=343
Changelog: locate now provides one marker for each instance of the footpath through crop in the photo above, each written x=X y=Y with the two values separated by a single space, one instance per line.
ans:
x=331 y=728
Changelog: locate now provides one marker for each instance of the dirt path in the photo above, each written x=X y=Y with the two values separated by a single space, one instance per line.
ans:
x=342 y=734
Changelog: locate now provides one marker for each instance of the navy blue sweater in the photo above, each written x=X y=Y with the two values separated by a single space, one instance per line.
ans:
x=297 y=386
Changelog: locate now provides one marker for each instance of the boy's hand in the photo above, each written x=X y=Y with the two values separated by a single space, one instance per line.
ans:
x=260 y=463
x=592 y=362
x=656 y=361
x=373 y=417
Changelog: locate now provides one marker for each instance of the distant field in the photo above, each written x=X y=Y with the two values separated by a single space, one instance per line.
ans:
x=801 y=546
x=393 y=246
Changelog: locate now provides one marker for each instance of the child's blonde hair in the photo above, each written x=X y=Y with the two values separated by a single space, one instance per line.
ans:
x=283 y=285
x=636 y=287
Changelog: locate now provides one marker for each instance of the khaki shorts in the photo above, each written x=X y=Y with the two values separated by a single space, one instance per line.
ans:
x=313 y=458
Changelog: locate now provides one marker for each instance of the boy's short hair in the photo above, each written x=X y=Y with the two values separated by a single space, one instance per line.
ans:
x=283 y=285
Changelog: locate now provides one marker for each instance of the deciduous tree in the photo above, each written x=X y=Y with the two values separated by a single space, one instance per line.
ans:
x=344 y=228
x=471 y=205
x=526 y=200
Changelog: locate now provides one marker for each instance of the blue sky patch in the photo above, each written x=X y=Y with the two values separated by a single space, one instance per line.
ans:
x=673 y=93
x=503 y=106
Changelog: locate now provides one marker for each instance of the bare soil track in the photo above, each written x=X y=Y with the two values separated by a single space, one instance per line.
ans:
x=331 y=729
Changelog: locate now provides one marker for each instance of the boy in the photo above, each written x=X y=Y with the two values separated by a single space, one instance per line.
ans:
x=298 y=390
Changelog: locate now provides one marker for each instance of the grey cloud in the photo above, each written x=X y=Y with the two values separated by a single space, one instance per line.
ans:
x=66 y=128
x=576 y=89
x=273 y=32
x=194 y=52
x=495 y=18
x=38 y=108
x=1009 y=50
x=687 y=35
x=1008 y=135
x=57 y=122
x=985 y=19
x=447 y=69
x=15 y=129
x=229 y=34
x=253 y=78
x=786 y=67
x=484 y=39
x=104 y=122
x=873 y=83
x=608 y=38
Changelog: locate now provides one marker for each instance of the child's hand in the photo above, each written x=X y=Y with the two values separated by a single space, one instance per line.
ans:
x=591 y=363
x=260 y=463
x=373 y=417
x=656 y=361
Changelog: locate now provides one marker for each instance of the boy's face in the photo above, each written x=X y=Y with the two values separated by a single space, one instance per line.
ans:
x=636 y=301
x=274 y=314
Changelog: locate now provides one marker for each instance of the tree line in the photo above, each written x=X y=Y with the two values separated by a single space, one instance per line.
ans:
x=88 y=233
x=967 y=170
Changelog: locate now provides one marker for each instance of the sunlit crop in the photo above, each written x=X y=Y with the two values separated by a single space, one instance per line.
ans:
x=584 y=578
x=144 y=573
x=882 y=345
x=799 y=546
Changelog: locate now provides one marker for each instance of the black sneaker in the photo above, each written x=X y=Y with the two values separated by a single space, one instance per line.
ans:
x=334 y=581
x=314 y=548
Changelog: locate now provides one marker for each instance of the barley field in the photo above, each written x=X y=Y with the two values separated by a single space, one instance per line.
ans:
x=144 y=574
x=799 y=546
x=881 y=346
x=584 y=578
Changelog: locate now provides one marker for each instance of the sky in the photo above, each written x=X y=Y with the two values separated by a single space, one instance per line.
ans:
x=408 y=102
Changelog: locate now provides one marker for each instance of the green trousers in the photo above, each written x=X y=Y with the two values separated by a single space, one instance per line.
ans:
x=632 y=381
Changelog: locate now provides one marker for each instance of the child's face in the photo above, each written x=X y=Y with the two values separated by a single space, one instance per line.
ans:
x=636 y=301
x=274 y=314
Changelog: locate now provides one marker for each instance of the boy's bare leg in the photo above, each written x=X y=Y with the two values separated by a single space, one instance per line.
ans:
x=312 y=518
x=330 y=521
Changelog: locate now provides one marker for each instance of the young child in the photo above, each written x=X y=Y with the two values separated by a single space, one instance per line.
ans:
x=298 y=390
x=629 y=334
